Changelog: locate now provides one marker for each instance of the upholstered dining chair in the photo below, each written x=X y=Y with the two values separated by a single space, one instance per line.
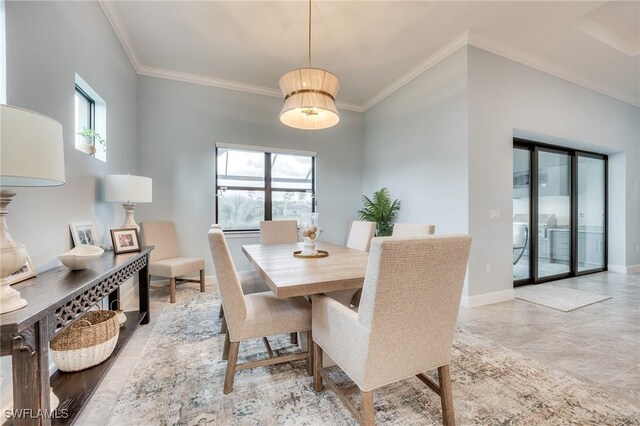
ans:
x=411 y=295
x=165 y=260
x=359 y=238
x=278 y=232
x=403 y=230
x=254 y=315
x=250 y=281
x=360 y=235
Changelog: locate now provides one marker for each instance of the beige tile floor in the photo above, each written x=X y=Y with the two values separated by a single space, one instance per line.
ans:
x=599 y=344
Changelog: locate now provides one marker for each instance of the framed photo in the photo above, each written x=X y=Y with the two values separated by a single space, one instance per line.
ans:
x=125 y=240
x=27 y=271
x=83 y=233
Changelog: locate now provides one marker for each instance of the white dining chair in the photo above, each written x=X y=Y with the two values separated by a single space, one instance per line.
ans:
x=278 y=232
x=255 y=315
x=405 y=324
x=404 y=230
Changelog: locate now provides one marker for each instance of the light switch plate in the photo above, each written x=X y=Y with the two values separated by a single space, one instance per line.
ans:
x=494 y=214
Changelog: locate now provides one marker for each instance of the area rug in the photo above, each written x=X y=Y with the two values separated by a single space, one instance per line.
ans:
x=560 y=298
x=179 y=375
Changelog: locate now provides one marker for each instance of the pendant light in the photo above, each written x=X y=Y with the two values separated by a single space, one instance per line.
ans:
x=309 y=96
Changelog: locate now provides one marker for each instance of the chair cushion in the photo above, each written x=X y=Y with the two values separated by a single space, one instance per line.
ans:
x=175 y=267
x=252 y=282
x=267 y=316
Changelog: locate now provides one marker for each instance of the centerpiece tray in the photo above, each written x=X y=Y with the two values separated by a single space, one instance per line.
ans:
x=321 y=253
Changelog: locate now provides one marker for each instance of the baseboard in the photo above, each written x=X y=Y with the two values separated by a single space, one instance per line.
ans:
x=487 y=299
x=632 y=269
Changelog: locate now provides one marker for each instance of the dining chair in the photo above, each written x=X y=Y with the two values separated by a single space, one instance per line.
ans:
x=254 y=315
x=405 y=324
x=360 y=235
x=278 y=232
x=165 y=259
x=403 y=230
x=250 y=281
x=359 y=238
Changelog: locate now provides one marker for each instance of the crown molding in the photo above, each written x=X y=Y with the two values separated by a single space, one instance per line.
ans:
x=467 y=38
x=438 y=56
x=121 y=32
x=536 y=62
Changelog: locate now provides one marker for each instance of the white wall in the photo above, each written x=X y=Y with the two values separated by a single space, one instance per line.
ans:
x=416 y=145
x=179 y=125
x=507 y=99
x=47 y=43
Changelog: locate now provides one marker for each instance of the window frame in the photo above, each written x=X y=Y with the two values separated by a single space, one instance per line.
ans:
x=92 y=109
x=268 y=188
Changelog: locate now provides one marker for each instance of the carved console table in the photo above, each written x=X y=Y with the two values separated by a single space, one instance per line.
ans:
x=56 y=299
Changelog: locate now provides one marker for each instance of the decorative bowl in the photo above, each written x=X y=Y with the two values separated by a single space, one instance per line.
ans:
x=80 y=256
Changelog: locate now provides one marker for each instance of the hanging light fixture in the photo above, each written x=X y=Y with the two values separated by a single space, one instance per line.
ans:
x=309 y=96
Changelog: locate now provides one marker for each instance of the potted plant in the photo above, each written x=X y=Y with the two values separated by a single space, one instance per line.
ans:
x=88 y=140
x=380 y=210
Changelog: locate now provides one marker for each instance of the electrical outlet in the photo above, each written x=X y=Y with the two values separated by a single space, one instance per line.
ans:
x=487 y=268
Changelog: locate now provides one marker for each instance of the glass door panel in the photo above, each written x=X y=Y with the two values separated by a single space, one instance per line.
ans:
x=554 y=214
x=591 y=213
x=521 y=208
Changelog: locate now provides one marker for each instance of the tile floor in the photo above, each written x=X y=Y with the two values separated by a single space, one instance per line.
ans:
x=599 y=343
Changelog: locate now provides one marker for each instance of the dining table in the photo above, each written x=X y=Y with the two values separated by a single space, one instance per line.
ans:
x=289 y=276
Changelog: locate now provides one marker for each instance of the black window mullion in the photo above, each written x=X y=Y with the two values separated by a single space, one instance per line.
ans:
x=268 y=214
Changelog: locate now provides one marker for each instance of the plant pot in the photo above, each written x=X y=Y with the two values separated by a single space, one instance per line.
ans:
x=85 y=145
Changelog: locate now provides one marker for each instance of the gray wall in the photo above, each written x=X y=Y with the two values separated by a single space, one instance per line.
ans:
x=47 y=43
x=507 y=99
x=416 y=145
x=179 y=125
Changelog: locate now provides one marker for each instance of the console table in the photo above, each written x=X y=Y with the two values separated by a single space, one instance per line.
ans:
x=56 y=299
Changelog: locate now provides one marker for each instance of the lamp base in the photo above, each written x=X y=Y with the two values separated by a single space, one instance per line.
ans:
x=129 y=221
x=12 y=258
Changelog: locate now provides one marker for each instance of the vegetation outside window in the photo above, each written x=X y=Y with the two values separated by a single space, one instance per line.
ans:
x=254 y=185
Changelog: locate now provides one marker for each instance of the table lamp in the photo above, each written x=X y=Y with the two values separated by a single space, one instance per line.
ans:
x=31 y=154
x=128 y=189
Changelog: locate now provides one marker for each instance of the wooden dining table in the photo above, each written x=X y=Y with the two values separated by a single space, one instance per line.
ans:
x=289 y=276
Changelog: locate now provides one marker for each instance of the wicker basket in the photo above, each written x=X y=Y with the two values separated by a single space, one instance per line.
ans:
x=87 y=342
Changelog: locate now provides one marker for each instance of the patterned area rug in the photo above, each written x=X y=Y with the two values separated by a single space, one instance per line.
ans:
x=560 y=298
x=179 y=375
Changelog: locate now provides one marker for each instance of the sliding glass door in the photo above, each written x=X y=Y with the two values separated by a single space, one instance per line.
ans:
x=559 y=212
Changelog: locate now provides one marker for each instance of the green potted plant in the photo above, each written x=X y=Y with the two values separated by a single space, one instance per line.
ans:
x=380 y=210
x=88 y=140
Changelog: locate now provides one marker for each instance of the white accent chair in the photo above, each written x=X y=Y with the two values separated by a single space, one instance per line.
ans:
x=250 y=281
x=165 y=260
x=405 y=324
x=278 y=232
x=254 y=315
x=412 y=230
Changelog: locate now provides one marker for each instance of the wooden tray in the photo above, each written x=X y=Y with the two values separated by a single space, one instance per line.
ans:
x=321 y=253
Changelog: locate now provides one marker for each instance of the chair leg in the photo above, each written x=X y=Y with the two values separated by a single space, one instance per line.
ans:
x=310 y=365
x=294 y=338
x=367 y=412
x=444 y=376
x=223 y=326
x=317 y=366
x=231 y=367
x=172 y=290
x=202 y=281
x=221 y=312
x=225 y=348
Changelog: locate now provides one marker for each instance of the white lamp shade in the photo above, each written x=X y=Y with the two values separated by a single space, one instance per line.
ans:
x=31 y=149
x=128 y=189
x=309 y=99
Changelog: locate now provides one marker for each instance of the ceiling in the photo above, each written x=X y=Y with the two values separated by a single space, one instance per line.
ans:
x=375 y=47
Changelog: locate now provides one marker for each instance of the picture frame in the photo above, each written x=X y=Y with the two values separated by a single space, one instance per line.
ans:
x=83 y=233
x=125 y=240
x=27 y=271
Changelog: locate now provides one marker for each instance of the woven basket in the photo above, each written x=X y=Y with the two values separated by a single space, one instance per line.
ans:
x=87 y=342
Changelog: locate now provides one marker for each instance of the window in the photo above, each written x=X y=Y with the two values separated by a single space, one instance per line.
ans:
x=253 y=185
x=90 y=118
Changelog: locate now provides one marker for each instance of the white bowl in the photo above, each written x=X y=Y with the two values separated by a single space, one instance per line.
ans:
x=80 y=257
